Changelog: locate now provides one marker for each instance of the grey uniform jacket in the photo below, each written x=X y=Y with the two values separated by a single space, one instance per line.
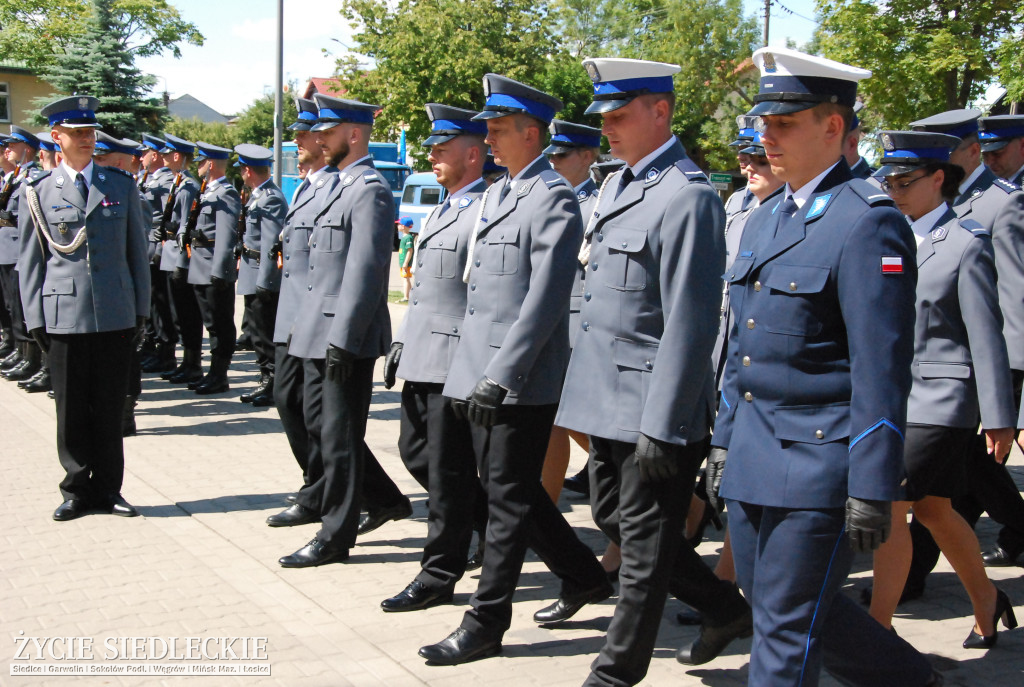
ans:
x=171 y=258
x=587 y=197
x=218 y=222
x=642 y=361
x=960 y=358
x=10 y=246
x=998 y=206
x=154 y=191
x=101 y=286
x=263 y=221
x=522 y=265
x=432 y=325
x=298 y=228
x=349 y=265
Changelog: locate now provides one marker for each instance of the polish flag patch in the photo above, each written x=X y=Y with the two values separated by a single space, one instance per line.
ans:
x=892 y=264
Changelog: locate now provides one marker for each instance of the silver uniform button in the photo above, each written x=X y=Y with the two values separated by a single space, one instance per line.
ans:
x=746 y=361
x=757 y=286
x=819 y=434
x=792 y=286
x=750 y=323
x=748 y=397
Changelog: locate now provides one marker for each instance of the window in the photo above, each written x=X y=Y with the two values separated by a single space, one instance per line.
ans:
x=430 y=195
x=5 y=103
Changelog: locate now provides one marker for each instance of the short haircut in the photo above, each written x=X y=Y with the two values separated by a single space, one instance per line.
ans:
x=824 y=110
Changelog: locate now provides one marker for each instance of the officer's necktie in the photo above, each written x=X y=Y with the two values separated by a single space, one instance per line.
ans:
x=504 y=190
x=784 y=211
x=444 y=206
x=80 y=185
x=627 y=176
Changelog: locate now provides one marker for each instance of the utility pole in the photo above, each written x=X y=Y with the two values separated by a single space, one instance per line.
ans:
x=767 y=17
x=279 y=93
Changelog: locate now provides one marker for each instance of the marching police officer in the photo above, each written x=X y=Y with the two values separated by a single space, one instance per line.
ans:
x=259 y=275
x=1002 y=146
x=507 y=375
x=212 y=266
x=813 y=408
x=434 y=443
x=87 y=312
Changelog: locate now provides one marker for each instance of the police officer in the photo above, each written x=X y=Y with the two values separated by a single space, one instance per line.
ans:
x=49 y=151
x=435 y=445
x=1002 y=146
x=87 y=312
x=507 y=375
x=174 y=262
x=7 y=346
x=341 y=327
x=859 y=167
x=259 y=275
x=813 y=408
x=212 y=267
x=741 y=199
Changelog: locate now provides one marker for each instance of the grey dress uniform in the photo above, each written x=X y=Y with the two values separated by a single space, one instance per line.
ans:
x=85 y=279
x=586 y=194
x=10 y=250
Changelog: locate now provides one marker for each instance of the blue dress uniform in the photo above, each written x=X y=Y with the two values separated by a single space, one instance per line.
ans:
x=814 y=402
x=515 y=335
x=84 y=275
x=344 y=307
x=641 y=367
x=995 y=133
x=212 y=269
x=156 y=188
x=259 y=274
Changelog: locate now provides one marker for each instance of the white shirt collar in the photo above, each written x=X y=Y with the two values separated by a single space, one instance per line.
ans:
x=804 y=193
x=462 y=191
x=312 y=177
x=651 y=157
x=1015 y=174
x=86 y=173
x=971 y=178
x=924 y=224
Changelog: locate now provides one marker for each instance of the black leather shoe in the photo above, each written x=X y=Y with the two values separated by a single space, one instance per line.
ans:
x=26 y=370
x=578 y=483
x=161 y=364
x=476 y=561
x=998 y=557
x=194 y=384
x=567 y=607
x=1004 y=612
x=72 y=509
x=293 y=515
x=689 y=616
x=12 y=360
x=41 y=382
x=248 y=396
x=313 y=554
x=118 y=506
x=214 y=384
x=713 y=640
x=461 y=646
x=415 y=597
x=243 y=343
x=374 y=519
x=265 y=399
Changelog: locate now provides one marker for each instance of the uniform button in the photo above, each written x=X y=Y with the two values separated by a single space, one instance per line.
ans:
x=472 y=287
x=311 y=267
x=287 y=257
x=750 y=323
x=483 y=241
x=819 y=434
x=455 y=330
x=748 y=397
x=647 y=364
x=600 y=238
x=625 y=244
x=746 y=361
x=519 y=378
x=476 y=263
x=682 y=428
x=586 y=326
x=417 y=283
x=792 y=286
x=314 y=244
x=593 y=266
x=757 y=286
x=288 y=240
x=286 y=274
x=415 y=302
x=472 y=310
x=586 y=296
x=309 y=287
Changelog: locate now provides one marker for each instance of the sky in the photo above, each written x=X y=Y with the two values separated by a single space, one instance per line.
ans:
x=235 y=65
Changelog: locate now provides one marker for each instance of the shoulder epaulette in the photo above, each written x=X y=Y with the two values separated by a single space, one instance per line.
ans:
x=372 y=175
x=691 y=171
x=552 y=178
x=975 y=227
x=121 y=171
x=872 y=195
x=43 y=173
x=36 y=173
x=1005 y=185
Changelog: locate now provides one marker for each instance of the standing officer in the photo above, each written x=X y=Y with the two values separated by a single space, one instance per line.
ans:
x=174 y=261
x=341 y=327
x=259 y=275
x=814 y=403
x=212 y=267
x=85 y=288
x=1002 y=146
x=508 y=372
x=434 y=443
x=640 y=382
x=49 y=152
x=156 y=183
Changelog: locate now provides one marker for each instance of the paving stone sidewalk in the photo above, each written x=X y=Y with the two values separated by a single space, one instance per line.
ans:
x=200 y=562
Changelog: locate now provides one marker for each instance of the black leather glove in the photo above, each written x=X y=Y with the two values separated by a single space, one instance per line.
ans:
x=391 y=361
x=139 y=334
x=657 y=460
x=484 y=402
x=275 y=251
x=265 y=294
x=459 y=408
x=219 y=284
x=180 y=240
x=41 y=338
x=238 y=251
x=339 y=364
x=716 y=465
x=868 y=523
x=7 y=219
x=180 y=275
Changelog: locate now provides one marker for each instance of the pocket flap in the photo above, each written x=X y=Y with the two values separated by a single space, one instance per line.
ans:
x=70 y=215
x=497 y=334
x=634 y=355
x=953 y=370
x=813 y=424
x=625 y=239
x=446 y=324
x=797 y=278
x=504 y=233
x=739 y=269
x=447 y=242
x=60 y=287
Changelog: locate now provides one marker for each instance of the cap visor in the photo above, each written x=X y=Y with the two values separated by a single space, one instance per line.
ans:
x=94 y=125
x=992 y=146
x=555 y=149
x=753 y=150
x=438 y=138
x=323 y=126
x=892 y=170
x=492 y=114
x=779 y=107
x=299 y=126
x=600 y=106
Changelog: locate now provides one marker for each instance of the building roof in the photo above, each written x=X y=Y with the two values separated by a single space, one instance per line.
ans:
x=325 y=85
x=188 y=107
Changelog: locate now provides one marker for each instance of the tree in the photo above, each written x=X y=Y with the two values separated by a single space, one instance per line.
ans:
x=99 y=64
x=38 y=31
x=256 y=123
x=926 y=56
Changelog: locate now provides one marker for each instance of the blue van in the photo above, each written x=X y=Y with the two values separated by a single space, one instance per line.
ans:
x=421 y=193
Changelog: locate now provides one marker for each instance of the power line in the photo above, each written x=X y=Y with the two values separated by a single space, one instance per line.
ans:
x=789 y=11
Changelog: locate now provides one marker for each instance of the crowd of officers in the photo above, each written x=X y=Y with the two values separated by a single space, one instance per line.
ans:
x=862 y=339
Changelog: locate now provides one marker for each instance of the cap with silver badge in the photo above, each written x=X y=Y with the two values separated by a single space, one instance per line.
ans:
x=618 y=81
x=793 y=81
x=905 y=151
x=75 y=112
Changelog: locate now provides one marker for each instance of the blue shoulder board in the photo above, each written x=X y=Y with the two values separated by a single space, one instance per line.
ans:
x=43 y=173
x=371 y=175
x=872 y=195
x=973 y=226
x=552 y=178
x=691 y=171
x=1005 y=185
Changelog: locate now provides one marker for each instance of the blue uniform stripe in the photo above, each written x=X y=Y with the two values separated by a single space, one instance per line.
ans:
x=727 y=406
x=881 y=423
x=817 y=606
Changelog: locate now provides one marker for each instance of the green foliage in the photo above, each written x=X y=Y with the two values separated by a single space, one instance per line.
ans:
x=926 y=57
x=217 y=133
x=256 y=123
x=38 y=31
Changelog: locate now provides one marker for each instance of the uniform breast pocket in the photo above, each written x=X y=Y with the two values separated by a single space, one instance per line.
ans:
x=796 y=301
x=441 y=258
x=499 y=250
x=628 y=263
x=335 y=237
x=59 y=303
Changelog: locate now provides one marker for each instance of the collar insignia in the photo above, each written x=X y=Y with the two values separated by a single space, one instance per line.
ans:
x=652 y=175
x=818 y=206
x=464 y=203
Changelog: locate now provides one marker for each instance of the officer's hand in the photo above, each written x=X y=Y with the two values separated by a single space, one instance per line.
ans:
x=180 y=240
x=41 y=338
x=460 y=408
x=6 y=219
x=275 y=251
x=139 y=334
x=180 y=274
x=656 y=460
x=484 y=402
x=868 y=523
x=391 y=361
x=339 y=364
x=998 y=443
x=716 y=466
x=238 y=251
